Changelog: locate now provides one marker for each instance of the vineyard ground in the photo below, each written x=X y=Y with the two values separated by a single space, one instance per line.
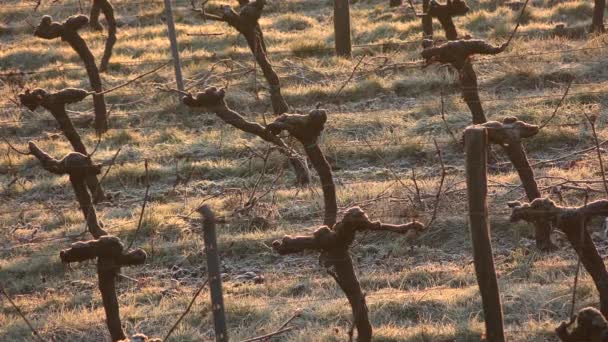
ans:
x=426 y=292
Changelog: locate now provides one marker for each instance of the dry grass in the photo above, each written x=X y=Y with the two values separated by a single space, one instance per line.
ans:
x=425 y=294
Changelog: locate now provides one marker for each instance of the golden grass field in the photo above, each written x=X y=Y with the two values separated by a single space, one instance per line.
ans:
x=425 y=293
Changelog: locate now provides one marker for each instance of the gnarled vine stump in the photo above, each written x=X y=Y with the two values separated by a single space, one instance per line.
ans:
x=509 y=135
x=333 y=245
x=68 y=32
x=458 y=54
x=78 y=167
x=245 y=21
x=212 y=99
x=307 y=129
x=55 y=103
x=572 y=221
x=111 y=256
x=445 y=12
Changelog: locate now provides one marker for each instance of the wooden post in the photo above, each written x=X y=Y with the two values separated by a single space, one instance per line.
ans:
x=597 y=24
x=476 y=144
x=427 y=21
x=342 y=28
x=213 y=270
x=174 y=50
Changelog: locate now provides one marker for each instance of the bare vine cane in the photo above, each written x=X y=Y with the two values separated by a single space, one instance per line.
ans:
x=111 y=256
x=55 y=103
x=571 y=221
x=245 y=21
x=212 y=99
x=68 y=32
x=509 y=135
x=307 y=128
x=78 y=167
x=334 y=244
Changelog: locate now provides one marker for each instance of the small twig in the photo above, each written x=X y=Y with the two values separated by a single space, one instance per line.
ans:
x=98 y=189
x=262 y=338
x=566 y=156
x=167 y=88
x=14 y=148
x=284 y=325
x=259 y=180
x=352 y=74
x=418 y=197
x=559 y=104
x=21 y=314
x=390 y=169
x=441 y=181
x=187 y=309
x=445 y=122
x=143 y=206
x=131 y=80
x=90 y=155
x=205 y=34
x=521 y=15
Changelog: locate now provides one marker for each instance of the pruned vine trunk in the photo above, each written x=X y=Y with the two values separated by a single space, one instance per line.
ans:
x=347 y=280
x=509 y=134
x=245 y=21
x=307 y=129
x=108 y=11
x=470 y=92
x=597 y=23
x=255 y=42
x=68 y=31
x=519 y=159
x=458 y=54
x=321 y=165
x=78 y=167
x=213 y=100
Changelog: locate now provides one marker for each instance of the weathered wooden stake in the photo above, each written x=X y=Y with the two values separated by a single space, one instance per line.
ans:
x=476 y=144
x=342 y=28
x=213 y=270
x=174 y=50
x=427 y=21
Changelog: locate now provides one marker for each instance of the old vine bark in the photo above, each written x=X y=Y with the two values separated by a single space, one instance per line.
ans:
x=571 y=221
x=108 y=11
x=509 y=135
x=245 y=21
x=110 y=255
x=307 y=129
x=55 y=103
x=68 y=31
x=212 y=99
x=78 y=167
x=333 y=245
